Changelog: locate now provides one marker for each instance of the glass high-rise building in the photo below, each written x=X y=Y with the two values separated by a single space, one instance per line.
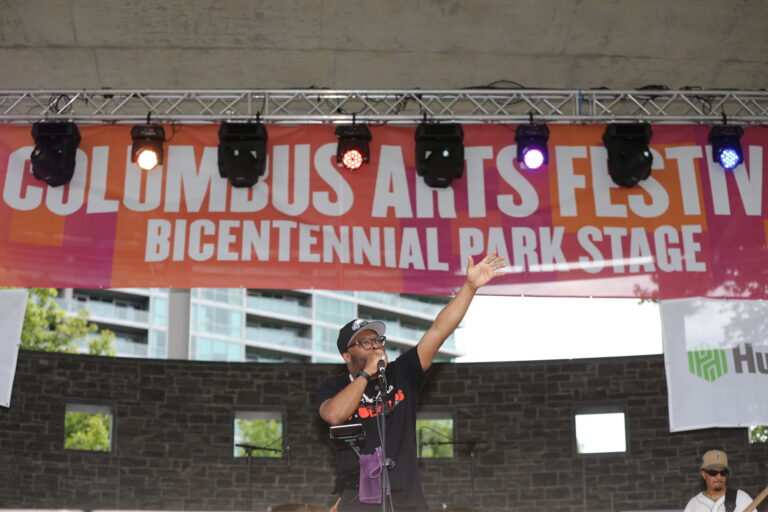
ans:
x=236 y=324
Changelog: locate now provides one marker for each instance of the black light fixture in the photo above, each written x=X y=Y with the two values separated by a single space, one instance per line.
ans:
x=147 y=150
x=629 y=157
x=531 y=139
x=439 y=153
x=53 y=158
x=353 y=150
x=242 y=152
x=726 y=145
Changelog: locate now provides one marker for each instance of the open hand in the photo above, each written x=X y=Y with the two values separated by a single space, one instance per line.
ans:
x=485 y=270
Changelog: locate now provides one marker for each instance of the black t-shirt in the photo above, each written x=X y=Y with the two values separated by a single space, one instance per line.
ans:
x=404 y=376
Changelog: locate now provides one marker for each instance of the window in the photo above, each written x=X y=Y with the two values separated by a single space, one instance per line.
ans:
x=220 y=321
x=600 y=432
x=435 y=434
x=258 y=355
x=325 y=340
x=334 y=311
x=113 y=305
x=157 y=343
x=88 y=427
x=129 y=342
x=280 y=334
x=160 y=312
x=758 y=434
x=233 y=296
x=261 y=431
x=211 y=349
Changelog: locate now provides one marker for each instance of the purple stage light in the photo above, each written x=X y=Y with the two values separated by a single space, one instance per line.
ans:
x=532 y=151
x=533 y=158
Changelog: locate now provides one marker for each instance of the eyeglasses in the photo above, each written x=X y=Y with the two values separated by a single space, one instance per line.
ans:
x=714 y=472
x=369 y=343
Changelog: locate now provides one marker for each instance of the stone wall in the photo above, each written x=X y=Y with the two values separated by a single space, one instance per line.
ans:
x=173 y=436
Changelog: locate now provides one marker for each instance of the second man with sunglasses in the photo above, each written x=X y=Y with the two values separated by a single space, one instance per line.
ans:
x=354 y=398
x=716 y=496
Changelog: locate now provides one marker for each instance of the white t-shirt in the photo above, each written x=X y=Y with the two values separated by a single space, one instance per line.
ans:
x=700 y=503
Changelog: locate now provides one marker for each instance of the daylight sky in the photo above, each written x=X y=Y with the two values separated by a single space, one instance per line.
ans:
x=531 y=328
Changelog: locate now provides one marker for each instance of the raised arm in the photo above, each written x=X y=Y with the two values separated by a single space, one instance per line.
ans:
x=450 y=316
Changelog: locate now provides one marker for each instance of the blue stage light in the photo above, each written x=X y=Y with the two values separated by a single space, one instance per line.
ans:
x=729 y=158
x=726 y=145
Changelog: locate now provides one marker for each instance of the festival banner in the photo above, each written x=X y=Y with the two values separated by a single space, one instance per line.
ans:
x=13 y=303
x=716 y=357
x=691 y=229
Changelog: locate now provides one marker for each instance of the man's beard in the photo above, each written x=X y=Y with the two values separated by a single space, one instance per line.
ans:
x=358 y=362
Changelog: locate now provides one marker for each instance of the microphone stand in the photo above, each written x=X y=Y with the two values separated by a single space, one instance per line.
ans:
x=472 y=453
x=249 y=453
x=381 y=421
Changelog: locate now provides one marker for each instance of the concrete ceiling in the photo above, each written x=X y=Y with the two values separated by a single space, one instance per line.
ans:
x=370 y=44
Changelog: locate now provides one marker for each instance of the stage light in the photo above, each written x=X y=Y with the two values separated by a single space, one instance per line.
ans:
x=147 y=150
x=53 y=159
x=352 y=150
x=629 y=158
x=439 y=153
x=531 y=142
x=242 y=153
x=726 y=145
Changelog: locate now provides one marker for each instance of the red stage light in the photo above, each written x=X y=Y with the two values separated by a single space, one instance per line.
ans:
x=352 y=159
x=352 y=151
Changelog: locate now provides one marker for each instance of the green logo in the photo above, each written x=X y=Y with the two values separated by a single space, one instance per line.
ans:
x=707 y=362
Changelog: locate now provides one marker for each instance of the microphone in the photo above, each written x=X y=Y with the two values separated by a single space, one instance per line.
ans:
x=380 y=368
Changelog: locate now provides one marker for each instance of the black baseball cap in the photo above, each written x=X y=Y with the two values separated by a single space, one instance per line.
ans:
x=357 y=325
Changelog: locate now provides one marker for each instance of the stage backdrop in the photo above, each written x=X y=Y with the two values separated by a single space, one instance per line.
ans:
x=716 y=357
x=692 y=229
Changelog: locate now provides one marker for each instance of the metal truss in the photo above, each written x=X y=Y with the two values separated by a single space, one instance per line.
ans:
x=393 y=107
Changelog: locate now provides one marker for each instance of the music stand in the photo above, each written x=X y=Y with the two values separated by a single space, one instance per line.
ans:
x=344 y=436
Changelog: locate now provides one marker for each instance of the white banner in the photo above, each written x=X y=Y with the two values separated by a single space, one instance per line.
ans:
x=716 y=358
x=12 y=306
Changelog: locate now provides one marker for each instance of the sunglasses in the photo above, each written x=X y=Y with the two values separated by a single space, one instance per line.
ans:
x=714 y=472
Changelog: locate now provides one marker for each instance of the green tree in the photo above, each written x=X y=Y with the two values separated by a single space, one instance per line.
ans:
x=86 y=431
x=264 y=433
x=758 y=434
x=48 y=327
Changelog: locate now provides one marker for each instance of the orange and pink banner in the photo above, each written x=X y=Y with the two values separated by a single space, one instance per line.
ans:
x=691 y=229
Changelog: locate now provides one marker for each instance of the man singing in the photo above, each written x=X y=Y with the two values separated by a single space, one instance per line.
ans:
x=352 y=398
